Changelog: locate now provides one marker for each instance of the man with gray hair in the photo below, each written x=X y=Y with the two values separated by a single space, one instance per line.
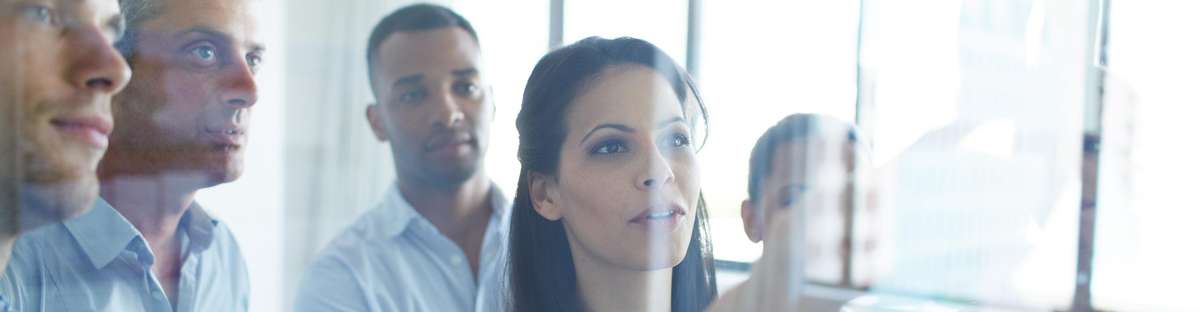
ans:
x=180 y=127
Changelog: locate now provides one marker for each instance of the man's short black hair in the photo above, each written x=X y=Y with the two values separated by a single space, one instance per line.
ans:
x=792 y=128
x=417 y=17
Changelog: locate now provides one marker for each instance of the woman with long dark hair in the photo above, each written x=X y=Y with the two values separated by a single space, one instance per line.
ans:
x=608 y=214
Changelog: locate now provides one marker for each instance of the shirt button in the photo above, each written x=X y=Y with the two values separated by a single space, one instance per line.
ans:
x=455 y=260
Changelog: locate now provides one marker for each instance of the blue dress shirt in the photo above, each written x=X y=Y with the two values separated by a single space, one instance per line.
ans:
x=100 y=262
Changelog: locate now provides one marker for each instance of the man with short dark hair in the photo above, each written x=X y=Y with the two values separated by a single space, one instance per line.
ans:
x=60 y=73
x=437 y=240
x=180 y=127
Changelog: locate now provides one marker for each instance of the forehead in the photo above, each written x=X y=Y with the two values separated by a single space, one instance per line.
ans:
x=427 y=51
x=232 y=18
x=788 y=162
x=629 y=94
x=794 y=161
x=101 y=8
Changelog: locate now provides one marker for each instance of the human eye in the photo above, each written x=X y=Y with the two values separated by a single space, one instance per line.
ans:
x=410 y=97
x=680 y=140
x=38 y=13
x=203 y=54
x=609 y=147
x=468 y=89
x=254 y=60
x=787 y=200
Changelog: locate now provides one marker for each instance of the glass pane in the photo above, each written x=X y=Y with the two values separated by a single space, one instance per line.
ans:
x=514 y=35
x=1145 y=223
x=761 y=61
x=663 y=23
x=976 y=128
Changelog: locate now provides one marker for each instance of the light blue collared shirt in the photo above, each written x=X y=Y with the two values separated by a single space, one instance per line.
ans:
x=100 y=262
x=393 y=259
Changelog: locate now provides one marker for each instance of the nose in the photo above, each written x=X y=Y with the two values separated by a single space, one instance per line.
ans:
x=240 y=89
x=657 y=172
x=449 y=113
x=95 y=64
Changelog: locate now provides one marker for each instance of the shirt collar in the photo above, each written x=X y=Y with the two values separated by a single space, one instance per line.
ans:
x=103 y=233
x=199 y=227
x=401 y=214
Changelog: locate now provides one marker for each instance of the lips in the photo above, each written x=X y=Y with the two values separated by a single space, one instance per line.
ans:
x=226 y=140
x=449 y=142
x=669 y=215
x=92 y=130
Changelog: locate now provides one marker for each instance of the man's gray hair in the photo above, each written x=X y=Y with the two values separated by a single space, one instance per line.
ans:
x=135 y=12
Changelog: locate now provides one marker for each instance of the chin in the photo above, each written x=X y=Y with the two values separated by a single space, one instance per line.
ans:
x=44 y=203
x=57 y=186
x=224 y=175
x=454 y=175
x=651 y=261
x=218 y=171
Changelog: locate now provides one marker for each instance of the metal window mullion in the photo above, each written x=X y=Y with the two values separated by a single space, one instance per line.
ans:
x=693 y=37
x=557 y=11
x=1098 y=12
x=857 y=204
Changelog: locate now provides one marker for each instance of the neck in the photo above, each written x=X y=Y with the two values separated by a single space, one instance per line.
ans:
x=153 y=204
x=10 y=201
x=605 y=287
x=451 y=209
x=6 y=246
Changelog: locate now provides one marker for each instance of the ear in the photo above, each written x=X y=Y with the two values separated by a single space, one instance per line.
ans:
x=375 y=119
x=543 y=192
x=750 y=221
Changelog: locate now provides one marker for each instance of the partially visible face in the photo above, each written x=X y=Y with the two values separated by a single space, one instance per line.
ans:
x=433 y=106
x=801 y=170
x=60 y=71
x=187 y=112
x=628 y=186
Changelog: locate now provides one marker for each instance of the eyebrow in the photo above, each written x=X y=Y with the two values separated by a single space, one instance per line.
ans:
x=116 y=24
x=465 y=72
x=408 y=80
x=794 y=186
x=224 y=38
x=784 y=190
x=207 y=32
x=627 y=129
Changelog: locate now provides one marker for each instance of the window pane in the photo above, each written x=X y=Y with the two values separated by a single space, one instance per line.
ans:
x=761 y=61
x=975 y=121
x=514 y=36
x=1145 y=257
x=663 y=23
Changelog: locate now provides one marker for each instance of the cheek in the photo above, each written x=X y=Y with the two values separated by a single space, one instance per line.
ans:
x=593 y=196
x=687 y=178
x=407 y=126
x=182 y=99
x=38 y=84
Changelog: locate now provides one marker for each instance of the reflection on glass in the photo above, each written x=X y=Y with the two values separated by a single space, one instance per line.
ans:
x=976 y=128
x=1145 y=259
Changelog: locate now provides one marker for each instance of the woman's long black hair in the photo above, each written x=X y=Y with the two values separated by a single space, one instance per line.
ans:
x=540 y=267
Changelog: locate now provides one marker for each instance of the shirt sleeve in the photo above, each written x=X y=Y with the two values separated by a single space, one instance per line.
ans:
x=330 y=285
